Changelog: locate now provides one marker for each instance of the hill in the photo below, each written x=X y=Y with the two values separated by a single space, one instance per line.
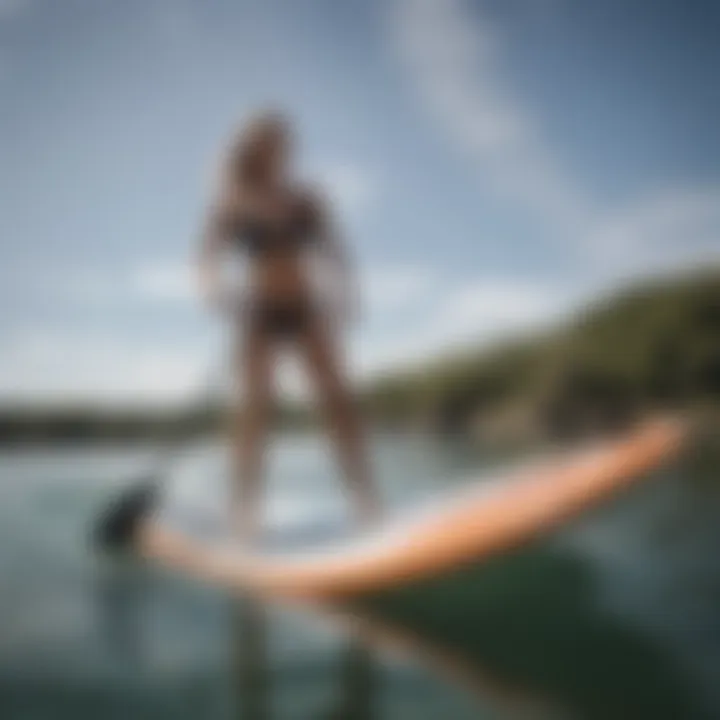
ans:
x=654 y=345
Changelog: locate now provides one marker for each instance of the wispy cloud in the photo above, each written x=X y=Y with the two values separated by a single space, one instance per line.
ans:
x=470 y=314
x=166 y=281
x=454 y=58
x=670 y=229
x=389 y=289
x=430 y=314
x=455 y=62
x=44 y=366
x=148 y=282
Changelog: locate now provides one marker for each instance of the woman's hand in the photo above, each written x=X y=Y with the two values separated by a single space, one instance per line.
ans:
x=230 y=303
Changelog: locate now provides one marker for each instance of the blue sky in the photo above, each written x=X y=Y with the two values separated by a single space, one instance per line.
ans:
x=493 y=164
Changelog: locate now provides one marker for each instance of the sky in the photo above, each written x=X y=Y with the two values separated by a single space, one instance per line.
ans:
x=494 y=164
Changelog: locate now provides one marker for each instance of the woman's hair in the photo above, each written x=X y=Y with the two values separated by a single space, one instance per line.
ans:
x=248 y=155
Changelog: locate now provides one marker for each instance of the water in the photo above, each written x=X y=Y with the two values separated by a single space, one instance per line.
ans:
x=616 y=616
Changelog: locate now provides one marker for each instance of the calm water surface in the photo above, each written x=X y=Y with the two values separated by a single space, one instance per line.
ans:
x=615 y=616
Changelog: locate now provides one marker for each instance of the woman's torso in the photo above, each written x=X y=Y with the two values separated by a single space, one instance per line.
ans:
x=276 y=233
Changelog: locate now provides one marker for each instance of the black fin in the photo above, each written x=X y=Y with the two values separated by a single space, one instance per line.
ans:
x=116 y=529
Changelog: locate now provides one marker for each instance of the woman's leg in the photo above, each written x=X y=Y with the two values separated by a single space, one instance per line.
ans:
x=252 y=418
x=342 y=416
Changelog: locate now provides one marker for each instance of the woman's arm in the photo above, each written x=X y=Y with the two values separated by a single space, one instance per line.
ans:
x=215 y=235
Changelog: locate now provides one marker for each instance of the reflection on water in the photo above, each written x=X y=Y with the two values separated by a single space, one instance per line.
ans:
x=532 y=618
x=119 y=602
x=354 y=687
x=250 y=671
x=614 y=617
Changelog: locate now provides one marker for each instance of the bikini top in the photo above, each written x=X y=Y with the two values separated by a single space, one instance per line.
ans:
x=262 y=237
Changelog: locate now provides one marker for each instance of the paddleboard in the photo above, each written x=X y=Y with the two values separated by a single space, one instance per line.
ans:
x=476 y=522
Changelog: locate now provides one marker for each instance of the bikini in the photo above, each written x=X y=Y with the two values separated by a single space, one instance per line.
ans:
x=262 y=239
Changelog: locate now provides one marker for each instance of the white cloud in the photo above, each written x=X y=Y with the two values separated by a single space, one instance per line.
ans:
x=153 y=281
x=673 y=228
x=473 y=313
x=491 y=306
x=390 y=289
x=45 y=367
x=167 y=280
x=454 y=61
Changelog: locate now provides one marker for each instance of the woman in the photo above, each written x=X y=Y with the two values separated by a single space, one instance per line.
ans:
x=275 y=222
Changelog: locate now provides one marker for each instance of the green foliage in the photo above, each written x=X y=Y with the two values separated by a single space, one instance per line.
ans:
x=654 y=344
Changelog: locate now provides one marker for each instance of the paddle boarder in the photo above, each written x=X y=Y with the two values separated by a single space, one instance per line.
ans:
x=277 y=223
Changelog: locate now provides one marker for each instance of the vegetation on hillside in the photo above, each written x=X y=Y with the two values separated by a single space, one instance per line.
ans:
x=654 y=345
